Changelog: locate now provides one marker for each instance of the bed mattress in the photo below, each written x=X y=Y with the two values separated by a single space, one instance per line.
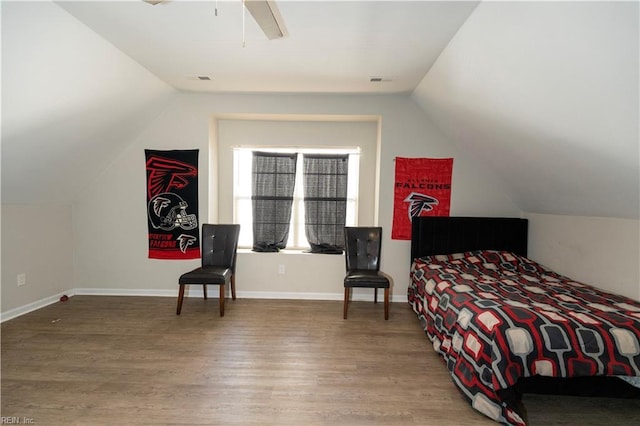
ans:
x=496 y=317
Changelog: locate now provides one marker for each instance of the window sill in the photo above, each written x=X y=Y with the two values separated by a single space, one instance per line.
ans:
x=285 y=251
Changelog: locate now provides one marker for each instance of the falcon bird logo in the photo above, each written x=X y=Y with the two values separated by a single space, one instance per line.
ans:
x=185 y=241
x=165 y=174
x=159 y=203
x=419 y=203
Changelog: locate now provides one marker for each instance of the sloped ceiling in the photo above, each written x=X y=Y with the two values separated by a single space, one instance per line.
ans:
x=546 y=93
x=81 y=79
x=70 y=103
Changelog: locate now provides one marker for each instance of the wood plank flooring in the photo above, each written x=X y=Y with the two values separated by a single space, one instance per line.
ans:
x=96 y=360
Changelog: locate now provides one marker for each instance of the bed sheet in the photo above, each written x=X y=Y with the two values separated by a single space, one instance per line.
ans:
x=495 y=317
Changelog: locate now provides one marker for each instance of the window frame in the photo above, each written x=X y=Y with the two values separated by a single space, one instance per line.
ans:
x=241 y=193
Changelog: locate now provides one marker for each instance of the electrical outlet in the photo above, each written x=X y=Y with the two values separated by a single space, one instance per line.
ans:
x=281 y=269
x=22 y=279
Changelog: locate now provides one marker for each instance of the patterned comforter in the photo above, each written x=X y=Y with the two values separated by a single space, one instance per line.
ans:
x=496 y=317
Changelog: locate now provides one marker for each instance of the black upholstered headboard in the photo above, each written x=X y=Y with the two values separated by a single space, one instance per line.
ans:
x=444 y=235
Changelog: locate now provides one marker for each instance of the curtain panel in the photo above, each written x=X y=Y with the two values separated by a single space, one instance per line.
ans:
x=273 y=180
x=325 y=201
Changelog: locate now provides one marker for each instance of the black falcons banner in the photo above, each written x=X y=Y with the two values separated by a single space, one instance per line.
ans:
x=172 y=204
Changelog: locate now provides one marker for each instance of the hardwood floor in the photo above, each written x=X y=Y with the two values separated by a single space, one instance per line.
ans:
x=97 y=360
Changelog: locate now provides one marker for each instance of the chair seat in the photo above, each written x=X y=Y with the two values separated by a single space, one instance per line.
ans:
x=206 y=275
x=366 y=279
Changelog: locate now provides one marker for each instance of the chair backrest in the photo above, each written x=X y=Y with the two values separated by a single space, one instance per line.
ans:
x=219 y=245
x=362 y=247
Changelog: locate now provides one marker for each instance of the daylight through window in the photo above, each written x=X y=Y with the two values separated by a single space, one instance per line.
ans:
x=242 y=191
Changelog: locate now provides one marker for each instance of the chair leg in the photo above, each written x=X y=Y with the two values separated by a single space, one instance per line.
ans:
x=375 y=295
x=180 y=298
x=204 y=290
x=346 y=302
x=233 y=287
x=386 y=303
x=221 y=300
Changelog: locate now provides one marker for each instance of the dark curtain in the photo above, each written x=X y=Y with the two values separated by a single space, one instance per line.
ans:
x=325 y=201
x=273 y=180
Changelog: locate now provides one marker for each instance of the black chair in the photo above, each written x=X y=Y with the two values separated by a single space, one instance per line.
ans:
x=362 y=255
x=219 y=246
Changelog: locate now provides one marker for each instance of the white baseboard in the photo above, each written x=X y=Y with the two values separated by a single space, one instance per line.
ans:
x=191 y=292
x=196 y=291
x=33 y=306
x=368 y=296
x=126 y=292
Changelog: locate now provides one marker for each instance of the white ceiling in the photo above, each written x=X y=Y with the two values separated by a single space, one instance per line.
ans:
x=331 y=46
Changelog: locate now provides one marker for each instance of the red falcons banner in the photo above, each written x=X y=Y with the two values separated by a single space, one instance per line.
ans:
x=172 y=204
x=422 y=188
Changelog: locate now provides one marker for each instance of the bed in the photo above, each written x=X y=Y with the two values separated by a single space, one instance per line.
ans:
x=505 y=325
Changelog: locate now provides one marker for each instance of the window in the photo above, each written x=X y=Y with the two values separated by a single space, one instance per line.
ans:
x=242 y=182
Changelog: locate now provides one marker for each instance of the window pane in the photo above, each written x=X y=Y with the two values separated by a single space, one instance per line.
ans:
x=242 y=196
x=242 y=209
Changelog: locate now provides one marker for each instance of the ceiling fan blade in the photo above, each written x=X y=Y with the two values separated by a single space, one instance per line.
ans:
x=265 y=13
x=268 y=17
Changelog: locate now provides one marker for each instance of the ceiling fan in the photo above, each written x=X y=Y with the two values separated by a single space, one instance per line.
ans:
x=265 y=13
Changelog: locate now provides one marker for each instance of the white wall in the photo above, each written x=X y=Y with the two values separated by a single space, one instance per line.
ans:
x=602 y=252
x=546 y=93
x=110 y=248
x=36 y=240
x=71 y=102
x=110 y=221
